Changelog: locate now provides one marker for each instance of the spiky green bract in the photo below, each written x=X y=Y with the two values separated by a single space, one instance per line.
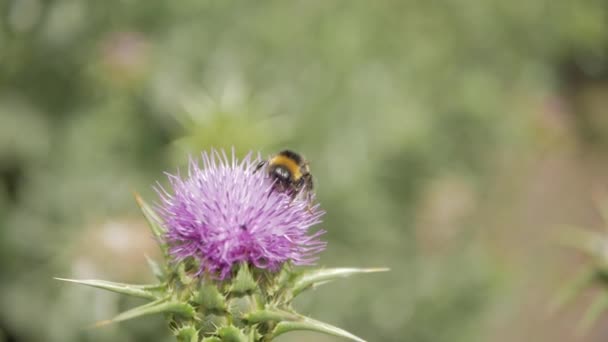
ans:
x=594 y=245
x=251 y=305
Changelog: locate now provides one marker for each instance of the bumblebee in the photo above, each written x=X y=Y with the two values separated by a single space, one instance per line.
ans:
x=290 y=172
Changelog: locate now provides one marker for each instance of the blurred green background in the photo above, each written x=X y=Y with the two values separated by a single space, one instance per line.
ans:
x=448 y=140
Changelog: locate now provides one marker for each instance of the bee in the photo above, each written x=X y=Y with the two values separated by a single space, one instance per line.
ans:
x=290 y=172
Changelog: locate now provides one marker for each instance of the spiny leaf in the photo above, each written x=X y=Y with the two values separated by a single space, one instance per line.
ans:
x=142 y=291
x=254 y=335
x=283 y=281
x=159 y=306
x=184 y=277
x=241 y=305
x=209 y=323
x=591 y=243
x=290 y=321
x=601 y=202
x=573 y=288
x=187 y=334
x=210 y=298
x=232 y=334
x=211 y=339
x=157 y=270
x=321 y=276
x=270 y=315
x=153 y=222
x=243 y=282
x=286 y=275
x=599 y=305
x=306 y=323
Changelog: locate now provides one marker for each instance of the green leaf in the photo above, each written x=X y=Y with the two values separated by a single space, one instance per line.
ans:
x=184 y=277
x=597 y=307
x=154 y=222
x=281 y=282
x=591 y=243
x=321 y=276
x=187 y=334
x=243 y=282
x=142 y=291
x=306 y=323
x=239 y=306
x=270 y=315
x=158 y=271
x=232 y=334
x=211 y=339
x=158 y=306
x=210 y=298
x=573 y=288
x=286 y=275
x=290 y=321
x=601 y=203
x=209 y=323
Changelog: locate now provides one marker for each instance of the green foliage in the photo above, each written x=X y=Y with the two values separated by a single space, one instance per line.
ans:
x=246 y=308
x=592 y=244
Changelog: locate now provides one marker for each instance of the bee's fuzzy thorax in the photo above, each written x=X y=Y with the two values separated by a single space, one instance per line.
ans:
x=289 y=163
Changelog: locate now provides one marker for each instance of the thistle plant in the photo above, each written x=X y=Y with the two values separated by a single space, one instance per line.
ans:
x=593 y=274
x=235 y=252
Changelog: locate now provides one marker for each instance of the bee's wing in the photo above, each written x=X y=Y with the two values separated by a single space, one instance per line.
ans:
x=308 y=182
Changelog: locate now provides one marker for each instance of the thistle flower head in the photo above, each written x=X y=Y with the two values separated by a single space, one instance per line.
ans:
x=223 y=213
x=230 y=219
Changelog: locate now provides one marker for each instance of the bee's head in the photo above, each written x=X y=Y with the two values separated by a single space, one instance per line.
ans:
x=281 y=173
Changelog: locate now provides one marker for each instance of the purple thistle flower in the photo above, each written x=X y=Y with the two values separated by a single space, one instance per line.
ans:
x=225 y=213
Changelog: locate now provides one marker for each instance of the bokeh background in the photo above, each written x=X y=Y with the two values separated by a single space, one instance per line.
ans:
x=450 y=140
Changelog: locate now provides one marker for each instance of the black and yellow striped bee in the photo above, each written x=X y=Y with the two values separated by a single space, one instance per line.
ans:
x=290 y=172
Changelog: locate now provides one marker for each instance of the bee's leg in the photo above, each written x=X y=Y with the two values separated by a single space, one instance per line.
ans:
x=259 y=166
x=308 y=190
x=294 y=192
x=308 y=182
x=309 y=203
